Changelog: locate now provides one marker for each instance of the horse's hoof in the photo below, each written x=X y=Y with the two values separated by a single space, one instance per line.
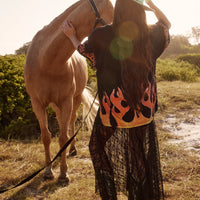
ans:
x=72 y=153
x=48 y=176
x=63 y=180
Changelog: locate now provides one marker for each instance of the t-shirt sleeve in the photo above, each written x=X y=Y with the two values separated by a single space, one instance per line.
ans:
x=88 y=48
x=159 y=34
x=85 y=50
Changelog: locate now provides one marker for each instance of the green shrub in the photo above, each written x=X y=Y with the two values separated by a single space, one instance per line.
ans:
x=171 y=70
x=193 y=59
x=16 y=116
x=91 y=73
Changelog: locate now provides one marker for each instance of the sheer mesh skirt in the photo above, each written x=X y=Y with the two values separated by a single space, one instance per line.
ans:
x=128 y=161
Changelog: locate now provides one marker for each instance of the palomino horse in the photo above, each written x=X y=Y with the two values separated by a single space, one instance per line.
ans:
x=54 y=76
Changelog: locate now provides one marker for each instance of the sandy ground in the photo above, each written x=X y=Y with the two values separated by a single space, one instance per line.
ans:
x=187 y=133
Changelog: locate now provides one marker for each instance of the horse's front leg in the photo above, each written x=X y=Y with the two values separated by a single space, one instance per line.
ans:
x=76 y=104
x=40 y=112
x=65 y=111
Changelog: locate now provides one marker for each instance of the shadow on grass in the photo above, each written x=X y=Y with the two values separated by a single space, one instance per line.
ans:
x=38 y=188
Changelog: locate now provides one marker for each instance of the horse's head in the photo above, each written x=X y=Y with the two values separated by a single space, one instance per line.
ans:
x=106 y=10
x=84 y=17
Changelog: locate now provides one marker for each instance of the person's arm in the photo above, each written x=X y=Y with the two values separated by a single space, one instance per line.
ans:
x=83 y=49
x=70 y=32
x=159 y=14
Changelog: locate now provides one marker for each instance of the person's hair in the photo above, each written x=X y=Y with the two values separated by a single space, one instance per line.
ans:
x=136 y=66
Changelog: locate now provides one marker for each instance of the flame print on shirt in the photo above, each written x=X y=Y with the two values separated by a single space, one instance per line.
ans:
x=89 y=55
x=116 y=108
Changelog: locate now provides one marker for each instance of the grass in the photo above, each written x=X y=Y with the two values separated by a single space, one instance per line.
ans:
x=181 y=168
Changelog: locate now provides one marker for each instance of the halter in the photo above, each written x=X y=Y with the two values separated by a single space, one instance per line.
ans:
x=98 y=17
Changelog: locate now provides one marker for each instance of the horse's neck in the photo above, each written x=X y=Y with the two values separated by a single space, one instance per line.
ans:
x=52 y=46
x=46 y=43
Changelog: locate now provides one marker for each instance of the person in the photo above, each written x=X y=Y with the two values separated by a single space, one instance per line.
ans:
x=123 y=145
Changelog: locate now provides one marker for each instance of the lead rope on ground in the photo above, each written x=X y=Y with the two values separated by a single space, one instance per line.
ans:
x=57 y=155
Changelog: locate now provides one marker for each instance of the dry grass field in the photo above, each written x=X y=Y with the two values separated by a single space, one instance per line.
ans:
x=179 y=105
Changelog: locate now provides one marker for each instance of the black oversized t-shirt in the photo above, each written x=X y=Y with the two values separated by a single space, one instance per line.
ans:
x=114 y=110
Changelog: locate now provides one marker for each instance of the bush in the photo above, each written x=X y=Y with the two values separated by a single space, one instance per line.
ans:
x=91 y=73
x=171 y=70
x=193 y=59
x=16 y=114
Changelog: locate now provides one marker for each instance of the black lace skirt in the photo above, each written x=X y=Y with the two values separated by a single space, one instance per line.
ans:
x=128 y=161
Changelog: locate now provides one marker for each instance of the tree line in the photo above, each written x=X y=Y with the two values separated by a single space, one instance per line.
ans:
x=179 y=44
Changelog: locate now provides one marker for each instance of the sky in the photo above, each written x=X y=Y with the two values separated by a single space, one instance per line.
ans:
x=20 y=20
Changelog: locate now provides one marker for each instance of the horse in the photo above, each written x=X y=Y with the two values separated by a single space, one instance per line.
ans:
x=56 y=75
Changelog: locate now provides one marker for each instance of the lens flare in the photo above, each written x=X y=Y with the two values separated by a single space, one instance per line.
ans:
x=128 y=31
x=122 y=46
x=121 y=49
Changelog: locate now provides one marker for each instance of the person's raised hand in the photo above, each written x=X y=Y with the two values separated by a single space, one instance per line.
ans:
x=149 y=3
x=68 y=29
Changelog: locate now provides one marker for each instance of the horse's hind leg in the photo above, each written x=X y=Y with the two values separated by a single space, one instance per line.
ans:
x=40 y=112
x=76 y=104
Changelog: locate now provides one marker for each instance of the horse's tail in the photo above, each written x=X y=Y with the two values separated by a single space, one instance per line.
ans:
x=88 y=101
